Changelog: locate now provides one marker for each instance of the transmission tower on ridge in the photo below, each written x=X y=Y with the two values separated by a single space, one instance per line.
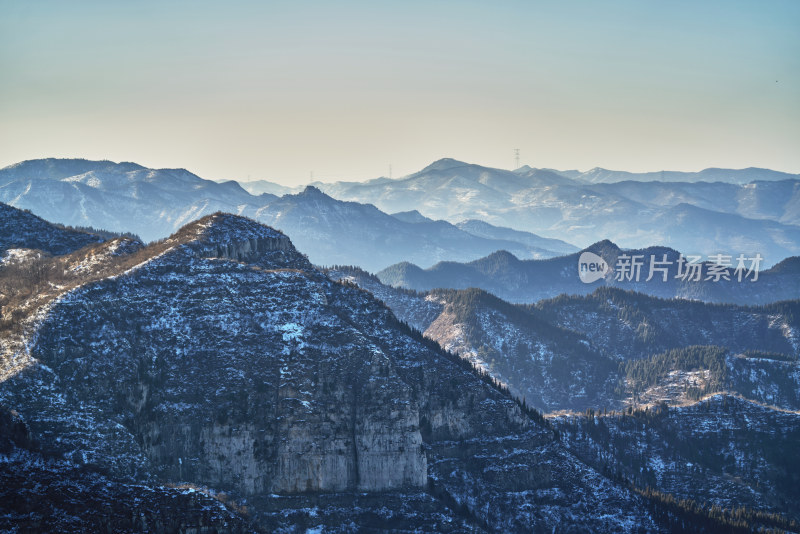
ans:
x=516 y=158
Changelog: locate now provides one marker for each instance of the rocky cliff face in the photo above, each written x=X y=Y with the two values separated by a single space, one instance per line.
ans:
x=44 y=493
x=226 y=236
x=271 y=411
x=221 y=358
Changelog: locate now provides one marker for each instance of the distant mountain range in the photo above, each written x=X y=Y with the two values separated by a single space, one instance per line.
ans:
x=116 y=196
x=731 y=176
x=752 y=210
x=261 y=187
x=450 y=210
x=155 y=202
x=334 y=232
x=527 y=281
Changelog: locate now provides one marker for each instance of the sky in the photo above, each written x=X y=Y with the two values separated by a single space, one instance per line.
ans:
x=250 y=90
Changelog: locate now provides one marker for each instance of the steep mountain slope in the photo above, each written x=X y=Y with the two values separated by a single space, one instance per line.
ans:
x=721 y=463
x=723 y=450
x=222 y=358
x=575 y=352
x=22 y=229
x=551 y=368
x=631 y=325
x=525 y=281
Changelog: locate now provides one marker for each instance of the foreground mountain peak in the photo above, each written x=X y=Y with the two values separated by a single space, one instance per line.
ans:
x=227 y=227
x=229 y=236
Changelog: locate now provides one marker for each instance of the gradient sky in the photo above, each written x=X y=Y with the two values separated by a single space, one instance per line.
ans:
x=275 y=90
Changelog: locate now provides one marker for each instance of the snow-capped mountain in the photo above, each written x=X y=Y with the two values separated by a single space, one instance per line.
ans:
x=153 y=203
x=760 y=216
x=120 y=197
x=755 y=211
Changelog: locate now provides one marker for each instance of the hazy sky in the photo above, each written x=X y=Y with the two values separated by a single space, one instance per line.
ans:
x=275 y=90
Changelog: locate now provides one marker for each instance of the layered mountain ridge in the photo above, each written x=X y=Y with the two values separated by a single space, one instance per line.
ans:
x=153 y=203
x=754 y=211
x=576 y=352
x=756 y=217
x=659 y=273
